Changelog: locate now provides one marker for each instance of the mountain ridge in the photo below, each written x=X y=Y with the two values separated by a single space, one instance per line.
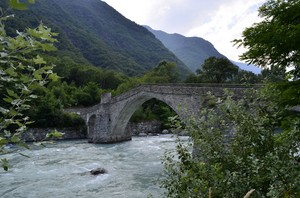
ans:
x=191 y=50
x=93 y=32
x=194 y=50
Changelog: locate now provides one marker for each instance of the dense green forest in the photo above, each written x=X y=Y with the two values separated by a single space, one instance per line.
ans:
x=84 y=85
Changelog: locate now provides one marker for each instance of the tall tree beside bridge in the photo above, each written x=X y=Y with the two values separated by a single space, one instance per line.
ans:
x=217 y=70
x=274 y=43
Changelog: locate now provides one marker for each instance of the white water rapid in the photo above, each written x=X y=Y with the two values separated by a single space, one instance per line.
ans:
x=61 y=170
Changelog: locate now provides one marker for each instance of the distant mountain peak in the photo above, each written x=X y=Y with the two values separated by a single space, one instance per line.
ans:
x=193 y=50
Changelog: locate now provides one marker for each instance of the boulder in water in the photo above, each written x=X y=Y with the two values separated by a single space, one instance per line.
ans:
x=165 y=131
x=98 y=171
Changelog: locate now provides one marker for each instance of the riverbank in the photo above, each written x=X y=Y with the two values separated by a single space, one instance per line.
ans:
x=40 y=134
x=146 y=128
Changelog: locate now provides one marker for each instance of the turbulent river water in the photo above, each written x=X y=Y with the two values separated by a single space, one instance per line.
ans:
x=61 y=169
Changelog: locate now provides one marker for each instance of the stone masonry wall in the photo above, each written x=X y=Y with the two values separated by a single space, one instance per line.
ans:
x=144 y=128
x=39 y=134
x=141 y=128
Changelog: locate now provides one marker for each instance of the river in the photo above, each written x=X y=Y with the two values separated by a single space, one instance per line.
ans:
x=60 y=170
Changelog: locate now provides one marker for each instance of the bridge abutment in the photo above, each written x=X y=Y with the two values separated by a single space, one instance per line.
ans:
x=101 y=127
x=102 y=131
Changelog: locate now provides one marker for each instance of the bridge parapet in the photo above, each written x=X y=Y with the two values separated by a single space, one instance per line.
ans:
x=183 y=89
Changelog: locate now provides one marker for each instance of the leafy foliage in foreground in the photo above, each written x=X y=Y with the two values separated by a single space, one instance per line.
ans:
x=22 y=71
x=20 y=5
x=252 y=143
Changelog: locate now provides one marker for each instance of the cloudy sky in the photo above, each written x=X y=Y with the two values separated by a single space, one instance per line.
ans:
x=218 y=21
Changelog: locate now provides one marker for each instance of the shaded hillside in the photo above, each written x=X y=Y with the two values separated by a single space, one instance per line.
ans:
x=191 y=50
x=91 y=31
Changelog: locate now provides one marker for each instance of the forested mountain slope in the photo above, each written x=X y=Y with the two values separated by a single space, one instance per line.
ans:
x=91 y=31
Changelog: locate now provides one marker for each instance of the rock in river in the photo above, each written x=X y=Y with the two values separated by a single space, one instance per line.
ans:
x=98 y=171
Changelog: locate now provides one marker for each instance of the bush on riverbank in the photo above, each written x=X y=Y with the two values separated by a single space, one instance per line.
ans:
x=240 y=145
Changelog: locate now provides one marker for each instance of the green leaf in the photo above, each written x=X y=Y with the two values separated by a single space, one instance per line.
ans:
x=27 y=123
x=11 y=71
x=54 y=134
x=37 y=75
x=12 y=113
x=15 y=138
x=17 y=5
x=8 y=99
x=3 y=141
x=47 y=68
x=19 y=124
x=54 y=77
x=48 y=47
x=12 y=93
x=39 y=60
x=25 y=78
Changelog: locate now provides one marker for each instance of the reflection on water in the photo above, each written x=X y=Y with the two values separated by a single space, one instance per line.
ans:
x=60 y=170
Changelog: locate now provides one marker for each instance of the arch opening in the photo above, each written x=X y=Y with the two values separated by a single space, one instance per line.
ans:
x=152 y=117
x=145 y=109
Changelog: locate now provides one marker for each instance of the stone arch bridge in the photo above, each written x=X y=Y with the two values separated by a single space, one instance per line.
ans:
x=107 y=120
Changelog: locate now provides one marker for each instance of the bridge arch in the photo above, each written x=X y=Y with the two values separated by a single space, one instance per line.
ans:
x=132 y=105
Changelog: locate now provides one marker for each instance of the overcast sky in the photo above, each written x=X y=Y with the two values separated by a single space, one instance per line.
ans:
x=218 y=21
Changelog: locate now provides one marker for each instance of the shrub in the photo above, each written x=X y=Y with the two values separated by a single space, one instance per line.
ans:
x=239 y=145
